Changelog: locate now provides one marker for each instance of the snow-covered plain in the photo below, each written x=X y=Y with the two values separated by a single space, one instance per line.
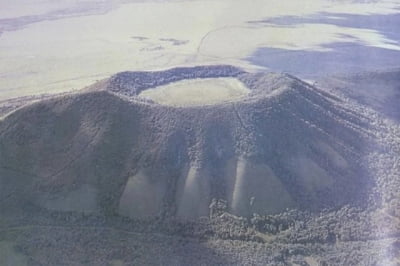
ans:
x=46 y=48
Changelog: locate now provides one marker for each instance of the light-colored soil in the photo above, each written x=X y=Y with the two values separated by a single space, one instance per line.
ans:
x=197 y=92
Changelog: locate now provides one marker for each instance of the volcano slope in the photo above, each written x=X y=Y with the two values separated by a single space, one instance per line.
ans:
x=379 y=89
x=98 y=151
x=269 y=148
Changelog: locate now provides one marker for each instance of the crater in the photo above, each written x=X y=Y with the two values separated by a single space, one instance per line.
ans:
x=197 y=92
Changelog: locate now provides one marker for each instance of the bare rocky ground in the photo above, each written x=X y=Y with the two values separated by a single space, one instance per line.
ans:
x=71 y=166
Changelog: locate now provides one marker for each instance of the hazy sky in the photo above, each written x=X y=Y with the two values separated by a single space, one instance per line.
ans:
x=50 y=46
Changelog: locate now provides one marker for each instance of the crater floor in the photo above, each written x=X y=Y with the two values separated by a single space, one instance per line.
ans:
x=195 y=92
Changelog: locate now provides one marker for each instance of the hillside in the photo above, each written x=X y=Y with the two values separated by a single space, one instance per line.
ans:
x=286 y=173
x=378 y=89
x=284 y=140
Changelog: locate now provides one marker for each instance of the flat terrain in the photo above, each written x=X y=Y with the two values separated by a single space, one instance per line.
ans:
x=119 y=35
x=197 y=92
